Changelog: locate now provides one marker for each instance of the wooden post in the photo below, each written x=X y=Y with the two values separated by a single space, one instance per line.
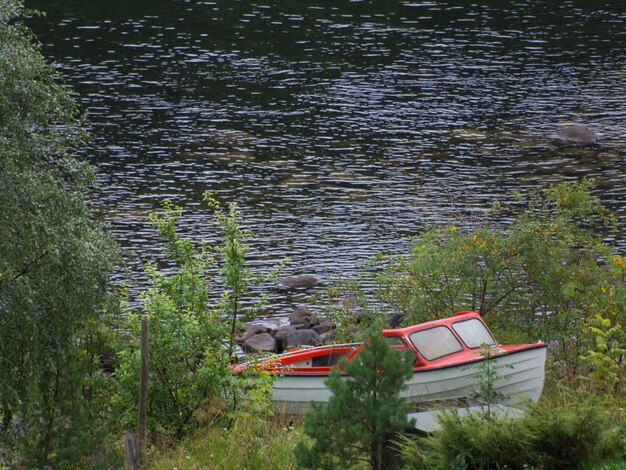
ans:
x=130 y=448
x=143 y=392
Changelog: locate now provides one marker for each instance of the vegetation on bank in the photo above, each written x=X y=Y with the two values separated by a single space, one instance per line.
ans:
x=55 y=262
x=546 y=274
x=364 y=413
x=259 y=441
x=192 y=332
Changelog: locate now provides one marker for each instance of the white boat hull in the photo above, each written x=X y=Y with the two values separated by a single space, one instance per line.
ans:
x=521 y=378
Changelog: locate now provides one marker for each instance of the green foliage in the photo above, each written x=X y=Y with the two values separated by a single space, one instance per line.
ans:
x=569 y=435
x=539 y=278
x=251 y=442
x=36 y=111
x=190 y=347
x=474 y=442
x=236 y=277
x=605 y=355
x=188 y=361
x=233 y=269
x=488 y=374
x=54 y=261
x=346 y=304
x=364 y=411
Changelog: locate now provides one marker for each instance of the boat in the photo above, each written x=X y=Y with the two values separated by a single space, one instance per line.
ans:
x=447 y=351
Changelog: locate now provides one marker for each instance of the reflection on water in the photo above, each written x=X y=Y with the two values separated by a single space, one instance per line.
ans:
x=340 y=126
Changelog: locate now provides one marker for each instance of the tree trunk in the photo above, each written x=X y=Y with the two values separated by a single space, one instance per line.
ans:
x=48 y=436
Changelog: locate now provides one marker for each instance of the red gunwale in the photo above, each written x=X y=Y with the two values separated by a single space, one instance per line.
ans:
x=280 y=364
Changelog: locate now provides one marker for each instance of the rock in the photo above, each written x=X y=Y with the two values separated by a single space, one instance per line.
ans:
x=303 y=338
x=284 y=330
x=300 y=311
x=577 y=134
x=323 y=327
x=280 y=336
x=262 y=342
x=300 y=316
x=350 y=305
x=305 y=323
x=255 y=329
x=301 y=281
x=270 y=324
x=251 y=330
x=330 y=337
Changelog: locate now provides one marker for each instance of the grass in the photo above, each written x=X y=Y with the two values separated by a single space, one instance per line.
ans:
x=612 y=465
x=267 y=442
x=250 y=442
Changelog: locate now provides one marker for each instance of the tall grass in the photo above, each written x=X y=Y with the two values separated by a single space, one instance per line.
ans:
x=250 y=442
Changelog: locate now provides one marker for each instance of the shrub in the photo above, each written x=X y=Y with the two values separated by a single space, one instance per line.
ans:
x=549 y=436
x=190 y=346
x=364 y=411
x=540 y=277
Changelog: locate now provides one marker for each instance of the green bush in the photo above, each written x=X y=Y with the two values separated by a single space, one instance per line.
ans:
x=190 y=346
x=549 y=436
x=362 y=414
x=539 y=277
x=567 y=437
x=481 y=443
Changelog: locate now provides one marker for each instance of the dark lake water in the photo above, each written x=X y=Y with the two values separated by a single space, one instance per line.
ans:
x=339 y=126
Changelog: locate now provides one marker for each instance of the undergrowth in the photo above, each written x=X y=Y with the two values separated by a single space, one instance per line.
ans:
x=249 y=442
x=562 y=431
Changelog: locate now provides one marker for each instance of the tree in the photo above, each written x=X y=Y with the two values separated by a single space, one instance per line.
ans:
x=364 y=411
x=538 y=278
x=188 y=357
x=190 y=344
x=233 y=270
x=54 y=259
x=487 y=373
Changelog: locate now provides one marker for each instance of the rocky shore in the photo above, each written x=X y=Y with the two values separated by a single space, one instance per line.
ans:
x=304 y=329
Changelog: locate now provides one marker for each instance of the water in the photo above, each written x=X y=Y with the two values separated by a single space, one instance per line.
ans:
x=340 y=127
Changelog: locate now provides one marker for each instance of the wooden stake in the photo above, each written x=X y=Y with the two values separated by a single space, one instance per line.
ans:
x=143 y=392
x=130 y=448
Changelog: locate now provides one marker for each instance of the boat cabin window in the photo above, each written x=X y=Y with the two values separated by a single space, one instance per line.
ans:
x=328 y=360
x=436 y=342
x=473 y=333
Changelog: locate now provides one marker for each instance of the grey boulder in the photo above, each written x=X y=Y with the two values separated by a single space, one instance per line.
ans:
x=263 y=342
x=323 y=327
x=577 y=134
x=300 y=281
x=300 y=316
x=303 y=338
x=251 y=330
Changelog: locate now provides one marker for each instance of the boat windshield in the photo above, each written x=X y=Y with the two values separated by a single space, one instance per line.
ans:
x=436 y=342
x=473 y=333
